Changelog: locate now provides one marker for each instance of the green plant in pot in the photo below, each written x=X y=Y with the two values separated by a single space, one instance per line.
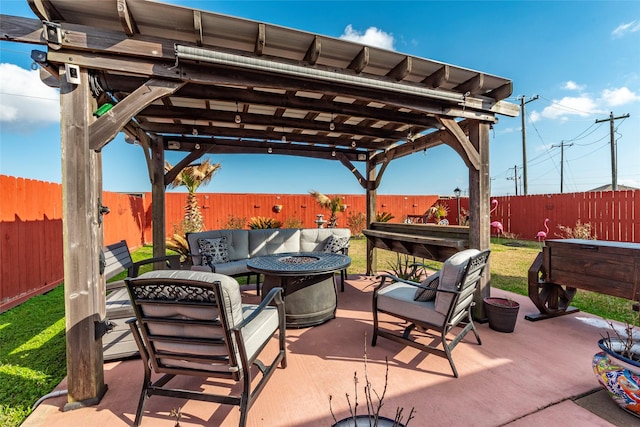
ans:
x=502 y=313
x=617 y=366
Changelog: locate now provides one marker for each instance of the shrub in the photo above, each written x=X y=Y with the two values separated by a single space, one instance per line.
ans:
x=580 y=231
x=293 y=222
x=235 y=223
x=356 y=223
x=260 y=222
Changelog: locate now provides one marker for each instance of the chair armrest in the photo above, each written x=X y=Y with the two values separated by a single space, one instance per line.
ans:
x=172 y=261
x=408 y=282
x=274 y=294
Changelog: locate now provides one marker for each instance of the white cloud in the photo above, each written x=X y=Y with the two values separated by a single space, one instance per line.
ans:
x=623 y=29
x=617 y=97
x=26 y=101
x=571 y=85
x=372 y=37
x=562 y=109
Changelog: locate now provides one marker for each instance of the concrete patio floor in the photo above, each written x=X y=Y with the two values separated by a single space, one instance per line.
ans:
x=539 y=375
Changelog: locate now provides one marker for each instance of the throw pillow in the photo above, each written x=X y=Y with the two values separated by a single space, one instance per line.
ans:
x=335 y=244
x=214 y=251
x=431 y=282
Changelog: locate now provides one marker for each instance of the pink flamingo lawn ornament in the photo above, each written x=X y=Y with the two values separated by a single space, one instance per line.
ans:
x=543 y=234
x=496 y=224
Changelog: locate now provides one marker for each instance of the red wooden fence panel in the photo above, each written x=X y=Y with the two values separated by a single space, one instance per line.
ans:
x=31 y=221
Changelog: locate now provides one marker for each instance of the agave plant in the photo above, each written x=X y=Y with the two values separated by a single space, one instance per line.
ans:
x=334 y=204
x=179 y=244
x=384 y=217
x=260 y=222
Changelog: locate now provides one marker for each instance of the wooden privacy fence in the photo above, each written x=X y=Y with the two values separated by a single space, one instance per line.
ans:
x=31 y=221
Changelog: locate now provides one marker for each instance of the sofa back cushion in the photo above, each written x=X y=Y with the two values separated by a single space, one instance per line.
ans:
x=237 y=243
x=314 y=239
x=273 y=241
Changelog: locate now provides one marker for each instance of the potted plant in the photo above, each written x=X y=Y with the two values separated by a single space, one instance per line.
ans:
x=502 y=313
x=617 y=367
x=438 y=212
x=372 y=418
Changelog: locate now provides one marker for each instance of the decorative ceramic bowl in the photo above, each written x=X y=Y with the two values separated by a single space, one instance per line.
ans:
x=620 y=376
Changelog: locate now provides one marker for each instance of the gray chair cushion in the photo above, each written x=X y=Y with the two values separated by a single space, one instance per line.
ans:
x=450 y=275
x=398 y=298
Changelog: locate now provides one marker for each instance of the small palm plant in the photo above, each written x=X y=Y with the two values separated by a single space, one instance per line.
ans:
x=192 y=177
x=334 y=204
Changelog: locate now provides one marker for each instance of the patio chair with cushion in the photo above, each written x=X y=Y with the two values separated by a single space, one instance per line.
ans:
x=441 y=303
x=193 y=323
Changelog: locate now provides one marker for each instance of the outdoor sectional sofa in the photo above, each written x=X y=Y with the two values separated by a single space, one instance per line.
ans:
x=227 y=251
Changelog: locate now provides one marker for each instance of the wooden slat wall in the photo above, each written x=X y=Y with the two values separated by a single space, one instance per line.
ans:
x=31 y=221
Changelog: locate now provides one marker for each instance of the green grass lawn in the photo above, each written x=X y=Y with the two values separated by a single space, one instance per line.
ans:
x=32 y=341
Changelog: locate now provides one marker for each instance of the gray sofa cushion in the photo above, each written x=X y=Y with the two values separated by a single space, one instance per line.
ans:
x=273 y=241
x=237 y=243
x=315 y=239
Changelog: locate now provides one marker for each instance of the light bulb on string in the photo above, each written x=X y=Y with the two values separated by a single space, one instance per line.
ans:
x=237 y=119
x=332 y=126
x=353 y=143
x=269 y=150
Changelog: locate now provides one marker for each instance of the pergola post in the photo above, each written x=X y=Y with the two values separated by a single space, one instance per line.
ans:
x=158 y=198
x=84 y=286
x=371 y=214
x=479 y=221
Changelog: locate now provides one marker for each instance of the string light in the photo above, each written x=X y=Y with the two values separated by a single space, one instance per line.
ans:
x=269 y=150
x=237 y=119
x=332 y=126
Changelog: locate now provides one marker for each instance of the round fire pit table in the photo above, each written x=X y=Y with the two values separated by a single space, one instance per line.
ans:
x=308 y=281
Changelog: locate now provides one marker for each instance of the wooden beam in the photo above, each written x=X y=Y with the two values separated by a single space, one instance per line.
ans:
x=473 y=86
x=474 y=108
x=381 y=172
x=361 y=61
x=197 y=27
x=262 y=135
x=22 y=30
x=261 y=39
x=107 y=127
x=170 y=175
x=501 y=92
x=347 y=163
x=82 y=241
x=313 y=53
x=126 y=19
x=287 y=100
x=419 y=144
x=184 y=113
x=460 y=143
x=402 y=70
x=437 y=78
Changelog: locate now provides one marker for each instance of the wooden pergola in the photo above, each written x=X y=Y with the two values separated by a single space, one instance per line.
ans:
x=179 y=79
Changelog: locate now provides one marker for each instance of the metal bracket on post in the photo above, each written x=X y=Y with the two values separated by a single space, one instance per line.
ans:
x=53 y=34
x=102 y=327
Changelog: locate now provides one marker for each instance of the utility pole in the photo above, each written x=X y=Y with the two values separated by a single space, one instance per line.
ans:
x=614 y=160
x=515 y=177
x=524 y=142
x=562 y=145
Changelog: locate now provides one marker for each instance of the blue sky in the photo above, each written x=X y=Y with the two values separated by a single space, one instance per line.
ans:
x=581 y=58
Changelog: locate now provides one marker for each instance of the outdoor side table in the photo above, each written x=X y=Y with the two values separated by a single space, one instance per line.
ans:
x=308 y=281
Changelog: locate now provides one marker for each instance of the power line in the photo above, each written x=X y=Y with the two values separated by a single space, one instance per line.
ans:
x=562 y=145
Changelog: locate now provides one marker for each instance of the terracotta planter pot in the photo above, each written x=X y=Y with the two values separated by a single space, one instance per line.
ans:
x=619 y=375
x=502 y=313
